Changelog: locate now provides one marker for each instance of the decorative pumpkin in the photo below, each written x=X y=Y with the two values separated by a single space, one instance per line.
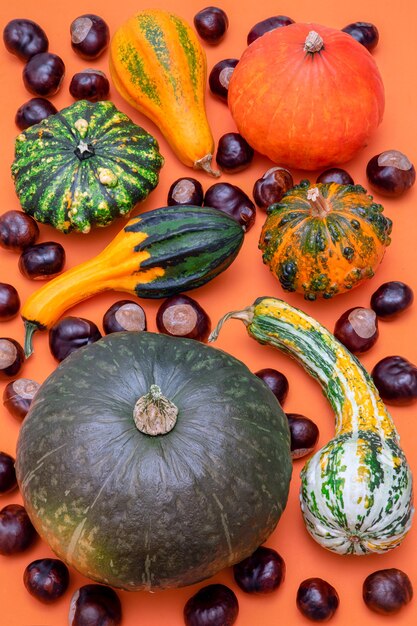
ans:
x=307 y=96
x=324 y=239
x=158 y=66
x=160 y=465
x=157 y=254
x=84 y=166
x=356 y=492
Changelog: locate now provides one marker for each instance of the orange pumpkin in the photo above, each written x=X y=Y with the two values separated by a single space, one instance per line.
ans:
x=307 y=96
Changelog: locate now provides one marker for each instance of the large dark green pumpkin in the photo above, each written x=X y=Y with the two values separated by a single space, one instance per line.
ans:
x=144 y=512
x=84 y=166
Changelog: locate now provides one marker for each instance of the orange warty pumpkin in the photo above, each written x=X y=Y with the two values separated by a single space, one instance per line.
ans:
x=307 y=96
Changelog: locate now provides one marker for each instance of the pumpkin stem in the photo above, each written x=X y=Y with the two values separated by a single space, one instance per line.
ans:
x=205 y=164
x=154 y=414
x=245 y=315
x=313 y=42
x=319 y=206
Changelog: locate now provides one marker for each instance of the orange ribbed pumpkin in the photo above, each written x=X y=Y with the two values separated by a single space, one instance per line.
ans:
x=307 y=96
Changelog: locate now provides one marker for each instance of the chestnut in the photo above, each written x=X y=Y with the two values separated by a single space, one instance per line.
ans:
x=390 y=173
x=90 y=36
x=335 y=175
x=304 y=435
x=262 y=572
x=317 y=599
x=71 y=333
x=46 y=579
x=24 y=38
x=357 y=329
x=271 y=187
x=16 y=530
x=231 y=200
x=95 y=605
x=33 y=111
x=386 y=591
x=211 y=24
x=364 y=32
x=17 y=231
x=213 y=605
x=43 y=74
x=276 y=381
x=8 y=480
x=42 y=260
x=9 y=302
x=396 y=380
x=234 y=154
x=219 y=77
x=124 y=315
x=182 y=316
x=391 y=298
x=11 y=357
x=270 y=23
x=186 y=191
x=92 y=85
x=18 y=395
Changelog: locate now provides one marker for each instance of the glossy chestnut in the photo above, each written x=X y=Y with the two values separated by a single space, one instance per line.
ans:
x=11 y=357
x=261 y=573
x=90 y=36
x=234 y=154
x=264 y=26
x=182 y=316
x=124 y=315
x=90 y=84
x=213 y=605
x=43 y=74
x=42 y=260
x=8 y=480
x=33 y=111
x=357 y=329
x=276 y=381
x=71 y=333
x=304 y=435
x=390 y=173
x=396 y=380
x=18 y=396
x=46 y=579
x=335 y=175
x=231 y=200
x=211 y=24
x=364 y=32
x=219 y=77
x=24 y=38
x=9 y=302
x=387 y=591
x=17 y=231
x=95 y=605
x=271 y=187
x=391 y=298
x=16 y=530
x=186 y=191
x=317 y=599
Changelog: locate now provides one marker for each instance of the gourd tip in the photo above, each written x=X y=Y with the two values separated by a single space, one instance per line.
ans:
x=205 y=164
x=30 y=328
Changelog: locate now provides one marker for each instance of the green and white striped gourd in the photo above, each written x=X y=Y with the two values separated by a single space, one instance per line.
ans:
x=356 y=492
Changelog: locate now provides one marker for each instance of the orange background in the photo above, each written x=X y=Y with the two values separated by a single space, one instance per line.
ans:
x=239 y=286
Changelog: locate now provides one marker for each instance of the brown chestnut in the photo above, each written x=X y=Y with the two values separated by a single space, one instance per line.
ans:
x=11 y=357
x=17 y=231
x=90 y=84
x=276 y=381
x=231 y=200
x=95 y=605
x=42 y=260
x=8 y=480
x=317 y=599
x=212 y=605
x=124 y=315
x=262 y=572
x=182 y=316
x=386 y=591
x=43 y=74
x=396 y=380
x=186 y=191
x=24 y=38
x=357 y=329
x=335 y=175
x=219 y=77
x=271 y=187
x=364 y=32
x=18 y=395
x=71 y=333
x=234 y=154
x=211 y=24
x=46 y=579
x=9 y=302
x=33 y=111
x=390 y=173
x=90 y=36
x=391 y=298
x=304 y=435
x=270 y=23
x=16 y=530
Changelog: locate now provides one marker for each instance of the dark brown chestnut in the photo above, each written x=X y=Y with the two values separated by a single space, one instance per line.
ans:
x=71 y=333
x=124 y=315
x=17 y=231
x=90 y=36
x=16 y=530
x=33 y=111
x=391 y=298
x=182 y=316
x=186 y=191
x=11 y=357
x=42 y=260
x=335 y=175
x=18 y=395
x=43 y=74
x=24 y=38
x=90 y=84
x=234 y=154
x=357 y=329
x=262 y=572
x=317 y=599
x=219 y=77
x=390 y=173
x=211 y=24
x=270 y=23
x=396 y=380
x=8 y=480
x=276 y=381
x=364 y=32
x=95 y=605
x=9 y=302
x=231 y=200
x=271 y=187
x=213 y=605
x=386 y=591
x=46 y=579
x=304 y=435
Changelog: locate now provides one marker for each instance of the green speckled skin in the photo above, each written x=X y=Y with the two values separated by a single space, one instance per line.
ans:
x=84 y=166
x=142 y=512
